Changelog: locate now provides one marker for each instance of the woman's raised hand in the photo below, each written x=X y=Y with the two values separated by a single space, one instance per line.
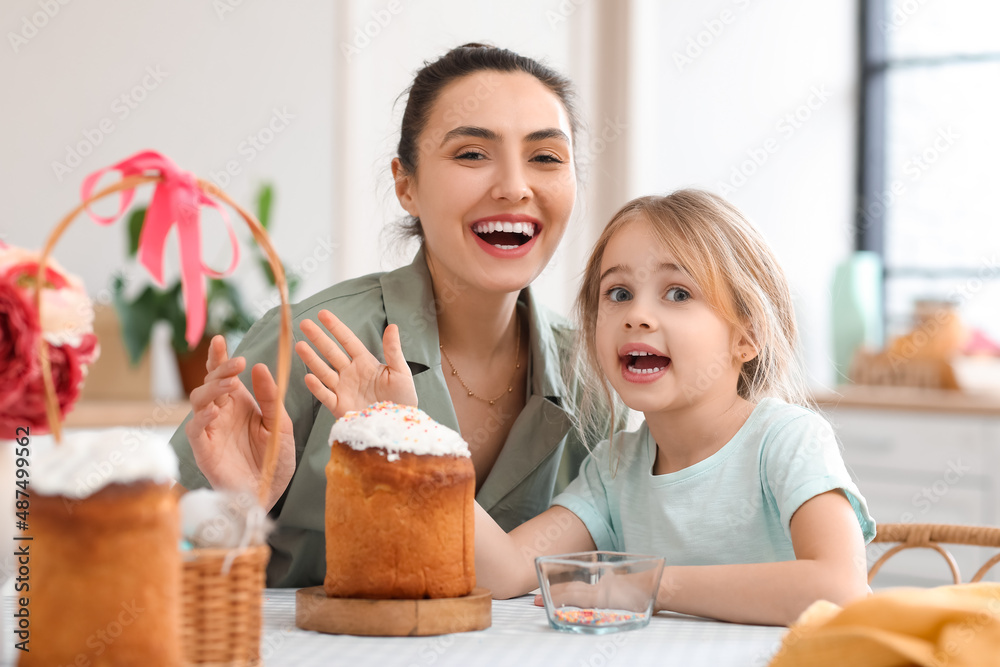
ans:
x=354 y=380
x=229 y=430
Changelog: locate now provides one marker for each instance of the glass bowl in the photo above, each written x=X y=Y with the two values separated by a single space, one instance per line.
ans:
x=595 y=592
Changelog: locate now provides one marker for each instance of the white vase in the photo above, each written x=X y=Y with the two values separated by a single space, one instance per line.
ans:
x=857 y=309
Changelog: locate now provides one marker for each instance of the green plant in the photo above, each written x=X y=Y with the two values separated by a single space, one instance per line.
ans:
x=226 y=314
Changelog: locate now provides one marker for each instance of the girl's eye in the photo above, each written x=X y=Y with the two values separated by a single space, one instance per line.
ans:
x=618 y=294
x=472 y=156
x=547 y=159
x=678 y=294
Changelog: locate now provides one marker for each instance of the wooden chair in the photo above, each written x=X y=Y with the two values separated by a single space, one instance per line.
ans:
x=932 y=536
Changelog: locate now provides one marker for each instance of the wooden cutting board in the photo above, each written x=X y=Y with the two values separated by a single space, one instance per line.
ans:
x=392 y=618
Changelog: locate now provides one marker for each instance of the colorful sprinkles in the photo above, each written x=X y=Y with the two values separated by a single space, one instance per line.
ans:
x=397 y=428
x=595 y=616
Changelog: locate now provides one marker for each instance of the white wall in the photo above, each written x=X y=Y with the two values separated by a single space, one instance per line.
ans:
x=338 y=68
x=714 y=85
x=221 y=76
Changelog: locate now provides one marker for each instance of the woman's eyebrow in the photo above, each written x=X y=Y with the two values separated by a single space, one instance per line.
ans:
x=471 y=131
x=547 y=133
x=490 y=135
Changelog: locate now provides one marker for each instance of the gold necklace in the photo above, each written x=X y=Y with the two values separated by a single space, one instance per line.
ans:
x=510 y=382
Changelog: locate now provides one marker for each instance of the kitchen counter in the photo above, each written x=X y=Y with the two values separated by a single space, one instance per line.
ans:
x=150 y=414
x=981 y=402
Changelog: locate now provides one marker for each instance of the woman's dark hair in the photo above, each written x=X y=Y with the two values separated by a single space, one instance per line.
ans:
x=457 y=63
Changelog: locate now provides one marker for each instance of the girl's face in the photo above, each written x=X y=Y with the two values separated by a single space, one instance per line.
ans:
x=495 y=181
x=659 y=342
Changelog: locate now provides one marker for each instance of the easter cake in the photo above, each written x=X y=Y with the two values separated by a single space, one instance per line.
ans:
x=399 y=507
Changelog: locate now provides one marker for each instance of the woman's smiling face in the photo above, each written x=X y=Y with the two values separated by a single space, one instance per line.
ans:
x=495 y=181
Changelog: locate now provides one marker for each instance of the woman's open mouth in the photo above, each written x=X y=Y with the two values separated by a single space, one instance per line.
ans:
x=505 y=238
x=640 y=366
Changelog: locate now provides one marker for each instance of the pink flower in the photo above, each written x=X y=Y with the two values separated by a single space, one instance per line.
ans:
x=67 y=327
x=67 y=313
x=29 y=409
x=18 y=338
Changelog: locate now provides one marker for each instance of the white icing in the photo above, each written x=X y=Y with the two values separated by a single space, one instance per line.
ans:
x=397 y=428
x=87 y=461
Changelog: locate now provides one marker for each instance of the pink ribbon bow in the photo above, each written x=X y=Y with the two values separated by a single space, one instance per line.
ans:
x=177 y=200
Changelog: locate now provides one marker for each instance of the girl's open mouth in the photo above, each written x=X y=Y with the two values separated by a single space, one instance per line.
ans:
x=639 y=366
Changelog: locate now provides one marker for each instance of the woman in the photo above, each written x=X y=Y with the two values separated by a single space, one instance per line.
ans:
x=486 y=170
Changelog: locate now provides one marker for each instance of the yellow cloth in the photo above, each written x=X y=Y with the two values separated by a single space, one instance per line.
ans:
x=950 y=625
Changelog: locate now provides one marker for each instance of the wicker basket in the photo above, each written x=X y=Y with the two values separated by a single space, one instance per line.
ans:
x=221 y=622
x=220 y=600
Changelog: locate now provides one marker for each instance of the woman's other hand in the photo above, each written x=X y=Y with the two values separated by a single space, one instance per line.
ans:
x=354 y=380
x=229 y=429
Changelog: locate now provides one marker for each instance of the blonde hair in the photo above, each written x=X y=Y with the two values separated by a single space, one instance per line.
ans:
x=729 y=260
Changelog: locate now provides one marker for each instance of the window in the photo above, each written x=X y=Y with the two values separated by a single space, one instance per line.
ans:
x=929 y=177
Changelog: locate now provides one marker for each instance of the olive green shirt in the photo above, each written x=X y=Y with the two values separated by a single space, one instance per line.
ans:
x=541 y=454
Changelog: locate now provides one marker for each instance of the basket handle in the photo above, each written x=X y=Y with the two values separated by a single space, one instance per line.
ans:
x=284 y=337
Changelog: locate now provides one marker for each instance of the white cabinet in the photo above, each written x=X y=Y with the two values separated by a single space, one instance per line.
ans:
x=922 y=465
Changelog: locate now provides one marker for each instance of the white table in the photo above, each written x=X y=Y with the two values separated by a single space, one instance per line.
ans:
x=520 y=636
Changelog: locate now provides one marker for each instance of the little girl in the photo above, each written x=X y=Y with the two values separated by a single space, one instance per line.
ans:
x=687 y=314
x=688 y=317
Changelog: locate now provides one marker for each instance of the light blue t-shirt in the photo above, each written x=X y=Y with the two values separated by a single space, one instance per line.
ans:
x=733 y=507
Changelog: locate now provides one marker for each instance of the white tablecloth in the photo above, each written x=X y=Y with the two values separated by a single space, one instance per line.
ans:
x=520 y=636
